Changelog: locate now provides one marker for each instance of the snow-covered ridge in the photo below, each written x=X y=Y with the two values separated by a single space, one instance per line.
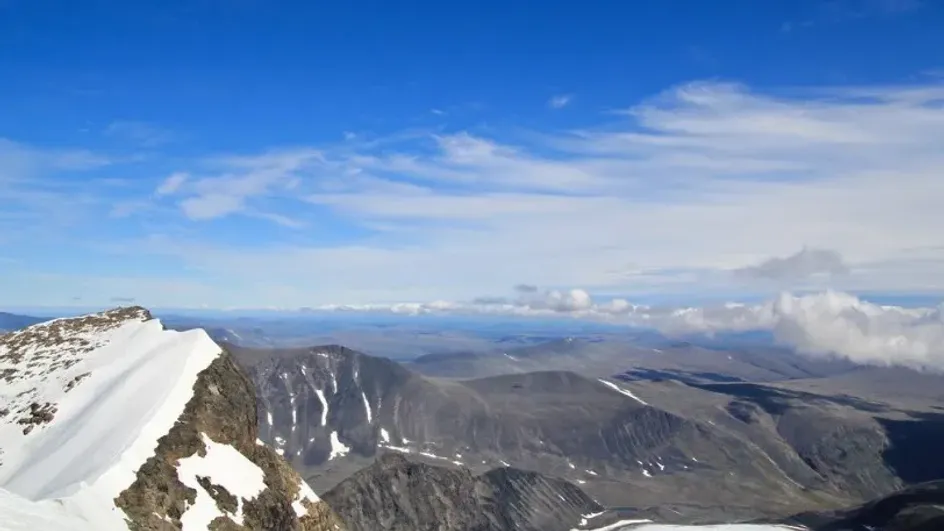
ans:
x=85 y=402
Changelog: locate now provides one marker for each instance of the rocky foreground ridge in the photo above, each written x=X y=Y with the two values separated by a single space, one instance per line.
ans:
x=109 y=421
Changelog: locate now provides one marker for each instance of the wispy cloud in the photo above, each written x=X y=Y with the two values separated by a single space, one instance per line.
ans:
x=238 y=180
x=806 y=263
x=45 y=187
x=140 y=133
x=560 y=101
x=173 y=182
x=670 y=196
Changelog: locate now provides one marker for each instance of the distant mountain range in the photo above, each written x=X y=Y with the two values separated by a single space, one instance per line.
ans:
x=711 y=435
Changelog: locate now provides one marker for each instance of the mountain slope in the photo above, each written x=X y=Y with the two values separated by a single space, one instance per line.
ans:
x=611 y=356
x=395 y=494
x=710 y=451
x=331 y=411
x=110 y=422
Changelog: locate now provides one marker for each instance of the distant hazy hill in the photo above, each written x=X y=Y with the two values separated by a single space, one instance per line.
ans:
x=12 y=321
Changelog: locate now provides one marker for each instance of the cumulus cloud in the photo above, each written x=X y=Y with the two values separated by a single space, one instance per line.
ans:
x=805 y=263
x=828 y=323
x=860 y=331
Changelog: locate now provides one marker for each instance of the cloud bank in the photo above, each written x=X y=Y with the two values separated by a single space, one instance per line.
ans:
x=829 y=323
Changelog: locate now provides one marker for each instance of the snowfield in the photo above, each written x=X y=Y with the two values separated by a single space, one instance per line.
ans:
x=644 y=525
x=84 y=402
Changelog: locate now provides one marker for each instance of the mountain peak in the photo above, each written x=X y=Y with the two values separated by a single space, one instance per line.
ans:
x=110 y=421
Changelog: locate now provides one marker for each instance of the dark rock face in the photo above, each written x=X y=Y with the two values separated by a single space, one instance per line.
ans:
x=224 y=408
x=917 y=508
x=395 y=494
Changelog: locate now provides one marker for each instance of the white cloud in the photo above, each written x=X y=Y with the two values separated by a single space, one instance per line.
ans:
x=560 y=101
x=172 y=183
x=826 y=323
x=244 y=178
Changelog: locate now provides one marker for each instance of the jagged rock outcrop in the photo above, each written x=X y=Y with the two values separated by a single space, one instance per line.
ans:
x=396 y=494
x=223 y=408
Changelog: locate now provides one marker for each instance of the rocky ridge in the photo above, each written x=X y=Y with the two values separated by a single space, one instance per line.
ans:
x=206 y=470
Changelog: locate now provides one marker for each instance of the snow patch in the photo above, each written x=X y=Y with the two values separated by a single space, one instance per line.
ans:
x=619 y=389
x=384 y=436
x=713 y=527
x=324 y=406
x=304 y=493
x=585 y=517
x=226 y=467
x=400 y=449
x=366 y=407
x=338 y=449
x=619 y=526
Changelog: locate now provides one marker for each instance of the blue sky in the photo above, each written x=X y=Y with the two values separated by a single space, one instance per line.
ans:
x=247 y=154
